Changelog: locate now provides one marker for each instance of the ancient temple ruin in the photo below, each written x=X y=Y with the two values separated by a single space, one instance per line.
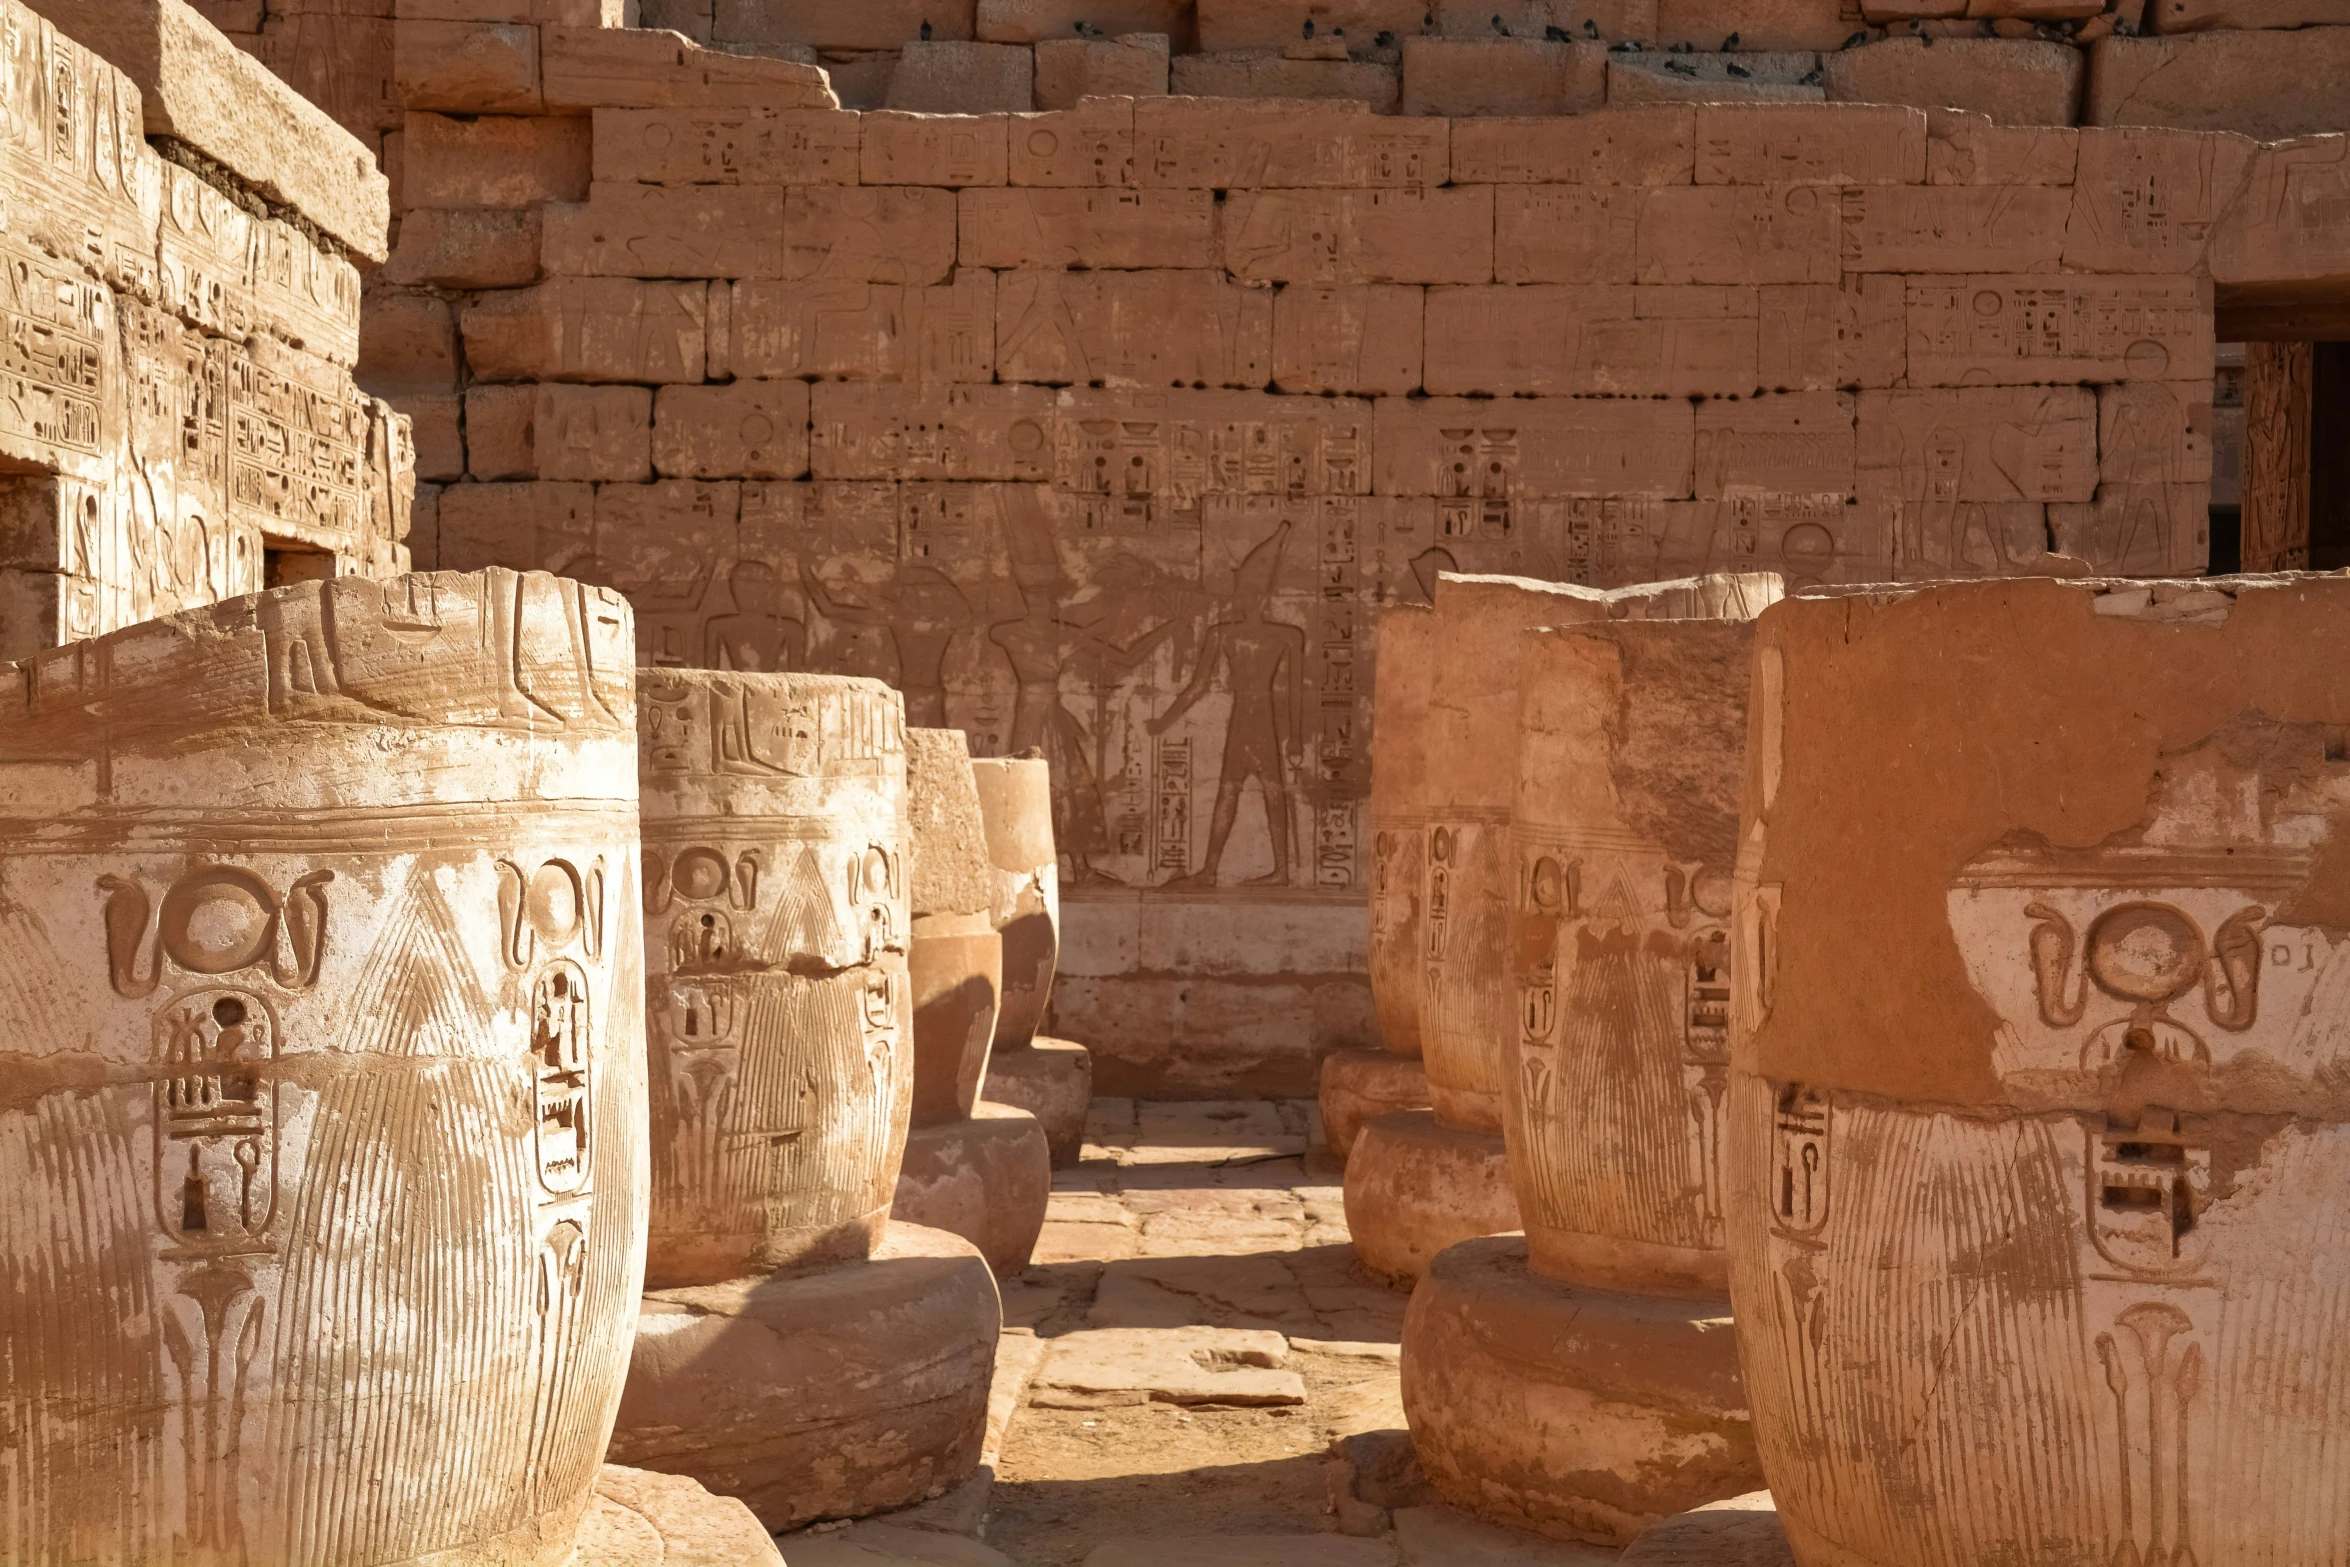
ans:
x=1098 y=783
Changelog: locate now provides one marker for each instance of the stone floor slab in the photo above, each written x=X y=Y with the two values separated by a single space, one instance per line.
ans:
x=1243 y=1550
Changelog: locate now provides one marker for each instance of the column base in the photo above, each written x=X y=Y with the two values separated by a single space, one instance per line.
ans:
x=638 y=1518
x=1415 y=1186
x=1741 y=1532
x=1051 y=1079
x=833 y=1393
x=1578 y=1413
x=1359 y=1084
x=986 y=1179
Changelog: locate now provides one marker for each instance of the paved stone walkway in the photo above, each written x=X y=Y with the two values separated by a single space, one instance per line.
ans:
x=1196 y=1372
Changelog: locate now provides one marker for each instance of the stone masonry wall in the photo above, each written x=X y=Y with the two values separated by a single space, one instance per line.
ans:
x=1108 y=431
x=177 y=413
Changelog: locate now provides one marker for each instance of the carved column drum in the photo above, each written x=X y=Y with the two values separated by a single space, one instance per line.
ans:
x=1624 y=832
x=1468 y=1009
x=954 y=956
x=1016 y=808
x=2037 y=1152
x=1399 y=821
x=779 y=1019
x=321 y=992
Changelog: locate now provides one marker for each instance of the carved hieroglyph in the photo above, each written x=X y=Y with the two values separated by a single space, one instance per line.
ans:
x=1016 y=806
x=322 y=986
x=2037 y=1130
x=779 y=1017
x=1631 y=749
x=954 y=956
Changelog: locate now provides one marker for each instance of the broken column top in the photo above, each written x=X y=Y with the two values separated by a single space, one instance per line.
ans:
x=1949 y=785
x=198 y=89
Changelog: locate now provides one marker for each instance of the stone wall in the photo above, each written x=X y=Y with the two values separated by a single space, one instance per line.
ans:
x=179 y=422
x=1109 y=431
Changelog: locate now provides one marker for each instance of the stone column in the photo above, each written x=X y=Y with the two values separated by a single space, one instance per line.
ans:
x=1582 y=1378
x=980 y=1170
x=1360 y=1084
x=1419 y=1180
x=2038 y=1135
x=324 y=1148
x=795 y=1348
x=1052 y=1079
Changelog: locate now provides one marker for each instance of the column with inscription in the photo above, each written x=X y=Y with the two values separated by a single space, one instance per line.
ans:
x=321 y=989
x=1581 y=1379
x=2037 y=1129
x=978 y=1169
x=796 y=1346
x=1051 y=1079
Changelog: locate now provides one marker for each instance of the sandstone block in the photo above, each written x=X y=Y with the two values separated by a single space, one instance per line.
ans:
x=1524 y=76
x=1647 y=78
x=1797 y=1080
x=1055 y=21
x=501 y=435
x=2155 y=433
x=1361 y=338
x=1774 y=25
x=493 y=160
x=977 y=432
x=1991 y=444
x=1111 y=1368
x=668 y=231
x=204 y=954
x=589 y=68
x=865 y=331
x=1639 y=146
x=2014 y=81
x=1742 y=1531
x=467 y=67
x=640 y=1518
x=2279 y=231
x=1208 y=143
x=2139 y=530
x=1471 y=449
x=342 y=64
x=593 y=432
x=844 y=234
x=1086 y=228
x=1415 y=1186
x=1565 y=233
x=820 y=1394
x=2269 y=85
x=1051 y=1079
x=1372 y=236
x=964 y=78
x=1267 y=73
x=841 y=24
x=1360 y=1084
x=1965 y=148
x=1581 y=1413
x=1784 y=444
x=433 y=429
x=736 y=146
x=492 y=524
x=1089 y=144
x=587 y=329
x=1955 y=228
x=1771 y=144
x=896 y=148
x=1544 y=340
x=1979 y=331
x=197 y=87
x=1782 y=234
x=466 y=247
x=860 y=79
x=1258 y=24
x=408 y=342
x=986 y=1178
x=2195 y=16
x=1132 y=65
x=2147 y=200
x=748 y=430
x=1144 y=329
